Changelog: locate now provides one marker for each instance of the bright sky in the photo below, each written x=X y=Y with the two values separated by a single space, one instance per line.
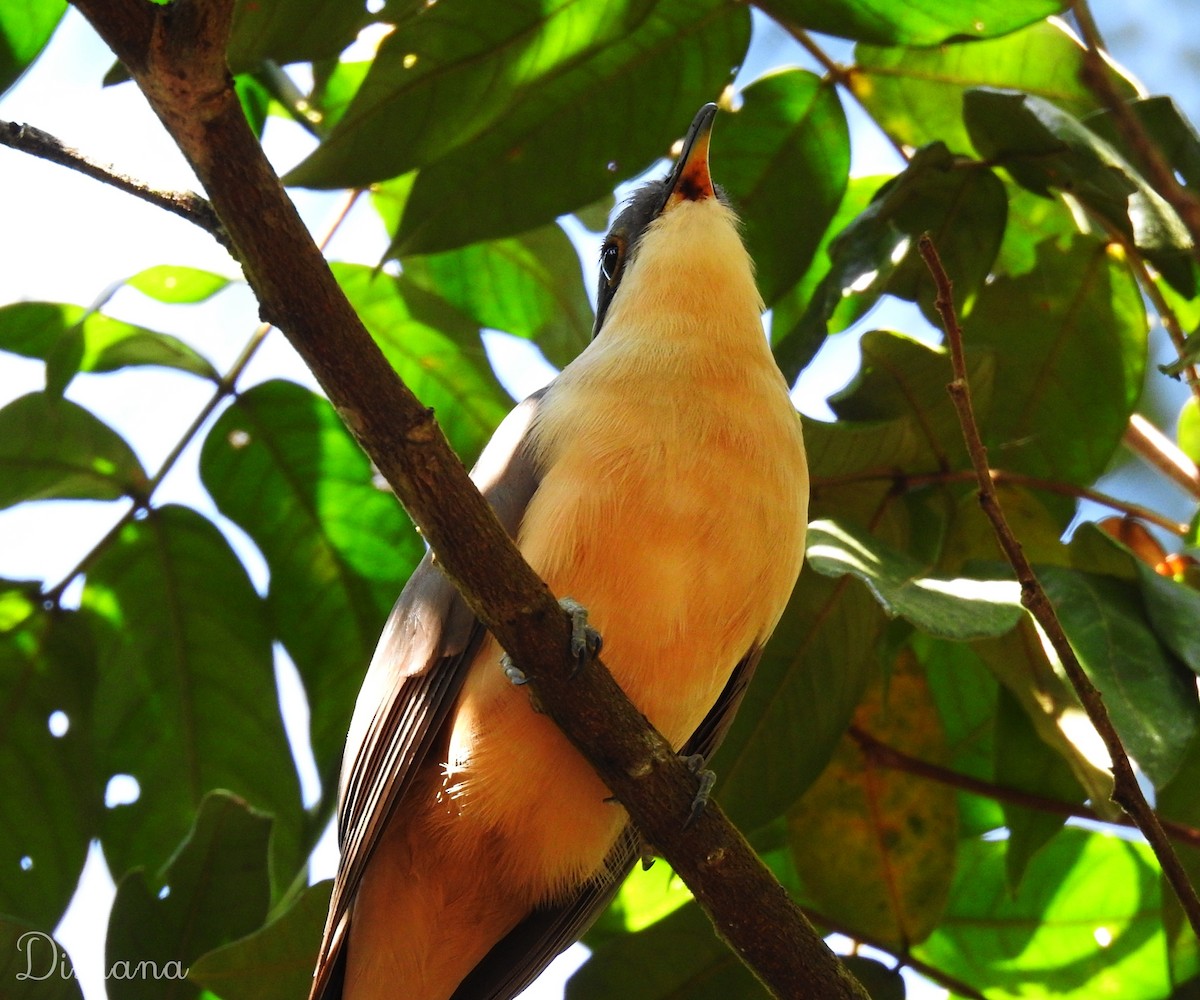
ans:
x=75 y=238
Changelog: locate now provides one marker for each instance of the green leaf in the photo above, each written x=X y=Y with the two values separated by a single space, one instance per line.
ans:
x=517 y=172
x=178 y=284
x=959 y=608
x=73 y=339
x=1178 y=802
x=646 y=896
x=1032 y=220
x=53 y=449
x=678 y=956
x=434 y=350
x=930 y=22
x=881 y=982
x=1047 y=940
x=916 y=94
x=1187 y=431
x=287 y=31
x=281 y=464
x=25 y=28
x=784 y=159
x=1152 y=704
x=1070 y=357
x=274 y=963
x=187 y=700
x=1173 y=135
x=50 y=794
x=214 y=890
x=528 y=285
x=34 y=954
x=1046 y=149
x=1173 y=610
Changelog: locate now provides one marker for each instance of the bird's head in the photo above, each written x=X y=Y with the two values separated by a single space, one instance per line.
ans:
x=681 y=229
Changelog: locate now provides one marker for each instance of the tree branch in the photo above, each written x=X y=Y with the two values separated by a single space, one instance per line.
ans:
x=1149 y=443
x=1126 y=792
x=175 y=54
x=186 y=204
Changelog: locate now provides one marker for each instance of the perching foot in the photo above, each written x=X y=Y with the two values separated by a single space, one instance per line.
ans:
x=706 y=781
x=585 y=640
x=516 y=676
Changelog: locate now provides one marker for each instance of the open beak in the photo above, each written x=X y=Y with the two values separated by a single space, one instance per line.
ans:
x=690 y=179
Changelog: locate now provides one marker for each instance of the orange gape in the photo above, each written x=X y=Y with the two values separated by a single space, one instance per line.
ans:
x=660 y=480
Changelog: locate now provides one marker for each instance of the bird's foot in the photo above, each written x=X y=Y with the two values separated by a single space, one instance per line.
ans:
x=585 y=640
x=706 y=779
x=516 y=676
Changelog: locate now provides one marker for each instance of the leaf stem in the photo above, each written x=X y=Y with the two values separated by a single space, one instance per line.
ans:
x=1150 y=444
x=1126 y=792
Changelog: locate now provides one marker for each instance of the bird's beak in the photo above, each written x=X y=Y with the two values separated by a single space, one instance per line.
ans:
x=690 y=179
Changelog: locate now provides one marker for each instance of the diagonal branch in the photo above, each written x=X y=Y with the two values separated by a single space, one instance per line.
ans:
x=175 y=53
x=1126 y=792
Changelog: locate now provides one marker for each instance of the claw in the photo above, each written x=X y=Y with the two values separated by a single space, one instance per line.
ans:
x=516 y=676
x=706 y=780
x=585 y=640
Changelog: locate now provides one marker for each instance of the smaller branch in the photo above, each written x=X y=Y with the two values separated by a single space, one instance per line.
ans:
x=1151 y=445
x=885 y=755
x=1096 y=77
x=1126 y=792
x=903 y=956
x=186 y=204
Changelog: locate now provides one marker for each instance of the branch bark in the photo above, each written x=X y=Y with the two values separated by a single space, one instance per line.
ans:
x=175 y=54
x=1126 y=792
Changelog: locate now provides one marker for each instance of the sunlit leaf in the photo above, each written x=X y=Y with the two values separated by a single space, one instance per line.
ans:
x=178 y=283
x=25 y=28
x=53 y=449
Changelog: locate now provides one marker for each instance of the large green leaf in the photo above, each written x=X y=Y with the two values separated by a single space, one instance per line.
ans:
x=50 y=794
x=1046 y=149
x=287 y=31
x=186 y=701
x=961 y=608
x=274 y=963
x=1084 y=923
x=1151 y=701
x=784 y=158
x=214 y=890
x=282 y=465
x=72 y=339
x=437 y=353
x=34 y=954
x=528 y=285
x=925 y=22
x=53 y=449
x=916 y=94
x=1069 y=342
x=524 y=171
x=25 y=28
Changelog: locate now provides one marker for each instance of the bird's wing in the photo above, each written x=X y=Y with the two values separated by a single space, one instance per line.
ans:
x=411 y=686
x=520 y=957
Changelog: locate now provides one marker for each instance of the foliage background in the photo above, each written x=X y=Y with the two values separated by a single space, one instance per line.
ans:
x=160 y=665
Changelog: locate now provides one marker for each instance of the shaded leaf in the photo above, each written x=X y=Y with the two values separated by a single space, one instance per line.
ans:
x=214 y=890
x=73 y=339
x=434 y=350
x=32 y=964
x=177 y=283
x=281 y=464
x=287 y=31
x=1046 y=149
x=528 y=285
x=915 y=94
x=881 y=982
x=1173 y=135
x=186 y=701
x=1178 y=801
x=784 y=159
x=25 y=28
x=274 y=963
x=927 y=23
x=50 y=794
x=53 y=449
x=1042 y=942
x=961 y=608
x=874 y=848
x=1070 y=360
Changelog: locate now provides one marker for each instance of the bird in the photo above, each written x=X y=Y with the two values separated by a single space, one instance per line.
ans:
x=660 y=481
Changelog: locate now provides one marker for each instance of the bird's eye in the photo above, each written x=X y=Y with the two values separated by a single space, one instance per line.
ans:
x=610 y=261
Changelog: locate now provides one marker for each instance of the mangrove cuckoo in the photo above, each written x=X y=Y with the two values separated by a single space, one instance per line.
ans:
x=659 y=480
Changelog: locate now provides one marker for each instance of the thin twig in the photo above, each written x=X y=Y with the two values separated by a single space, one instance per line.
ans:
x=1002 y=477
x=1150 y=444
x=1096 y=77
x=186 y=204
x=1126 y=792
x=894 y=759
